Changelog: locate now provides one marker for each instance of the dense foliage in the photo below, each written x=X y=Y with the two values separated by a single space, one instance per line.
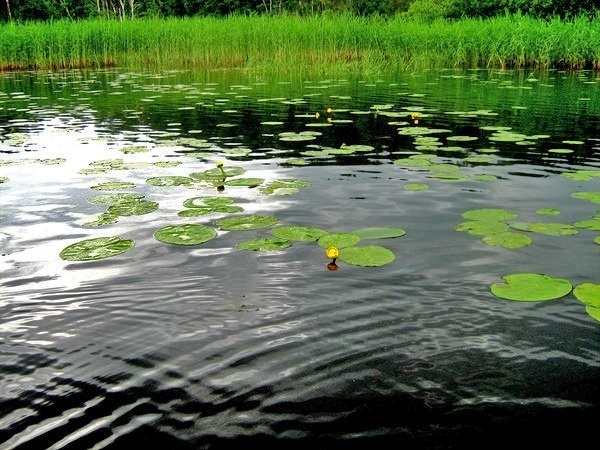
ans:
x=25 y=10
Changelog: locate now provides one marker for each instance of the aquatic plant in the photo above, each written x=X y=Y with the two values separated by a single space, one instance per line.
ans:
x=331 y=42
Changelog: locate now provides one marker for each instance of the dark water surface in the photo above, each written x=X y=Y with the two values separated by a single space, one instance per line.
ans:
x=211 y=346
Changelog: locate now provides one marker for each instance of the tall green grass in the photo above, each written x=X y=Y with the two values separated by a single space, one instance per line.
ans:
x=291 y=42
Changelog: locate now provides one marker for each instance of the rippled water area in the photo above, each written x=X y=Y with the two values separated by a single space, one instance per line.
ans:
x=211 y=317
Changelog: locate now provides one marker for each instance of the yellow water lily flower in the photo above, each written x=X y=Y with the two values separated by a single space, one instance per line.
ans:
x=317 y=115
x=332 y=252
x=219 y=163
x=329 y=110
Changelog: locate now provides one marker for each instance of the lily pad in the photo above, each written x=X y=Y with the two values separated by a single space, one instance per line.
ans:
x=591 y=224
x=103 y=219
x=169 y=181
x=201 y=202
x=415 y=187
x=588 y=293
x=551 y=229
x=298 y=233
x=134 y=208
x=113 y=186
x=216 y=173
x=368 y=255
x=242 y=223
x=186 y=234
x=284 y=186
x=338 y=239
x=548 y=212
x=508 y=240
x=111 y=199
x=483 y=227
x=97 y=248
x=248 y=182
x=290 y=136
x=379 y=232
x=490 y=214
x=531 y=287
x=264 y=244
x=591 y=196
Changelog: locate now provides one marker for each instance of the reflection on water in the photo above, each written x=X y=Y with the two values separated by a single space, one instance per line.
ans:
x=215 y=347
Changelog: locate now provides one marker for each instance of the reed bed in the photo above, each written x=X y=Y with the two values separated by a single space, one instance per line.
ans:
x=326 y=43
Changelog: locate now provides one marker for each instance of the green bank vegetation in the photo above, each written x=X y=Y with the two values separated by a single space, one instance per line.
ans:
x=321 y=42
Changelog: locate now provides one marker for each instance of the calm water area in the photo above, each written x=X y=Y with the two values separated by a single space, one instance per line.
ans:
x=212 y=346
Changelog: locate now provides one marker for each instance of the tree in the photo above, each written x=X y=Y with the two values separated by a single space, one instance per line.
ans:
x=9 y=14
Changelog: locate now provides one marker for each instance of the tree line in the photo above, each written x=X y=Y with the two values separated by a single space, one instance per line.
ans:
x=47 y=10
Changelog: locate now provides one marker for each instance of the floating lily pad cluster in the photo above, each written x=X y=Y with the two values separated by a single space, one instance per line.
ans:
x=535 y=287
x=347 y=242
x=493 y=224
x=187 y=234
x=440 y=170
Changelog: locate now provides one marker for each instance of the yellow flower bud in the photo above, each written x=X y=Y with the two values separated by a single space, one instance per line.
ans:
x=332 y=252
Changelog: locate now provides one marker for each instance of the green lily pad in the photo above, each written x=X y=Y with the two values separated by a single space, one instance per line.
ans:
x=111 y=199
x=531 y=287
x=415 y=187
x=134 y=208
x=103 y=219
x=560 y=150
x=167 y=163
x=591 y=224
x=216 y=173
x=484 y=177
x=593 y=312
x=284 y=186
x=462 y=138
x=490 y=214
x=338 y=239
x=202 y=202
x=582 y=175
x=379 y=232
x=413 y=162
x=597 y=240
x=357 y=147
x=242 y=223
x=97 y=248
x=454 y=176
x=479 y=159
x=367 y=256
x=113 y=186
x=551 y=229
x=264 y=244
x=444 y=168
x=483 y=227
x=588 y=293
x=186 y=234
x=548 y=212
x=591 y=196
x=205 y=210
x=298 y=233
x=508 y=240
x=172 y=180
x=290 y=136
x=295 y=162
x=248 y=182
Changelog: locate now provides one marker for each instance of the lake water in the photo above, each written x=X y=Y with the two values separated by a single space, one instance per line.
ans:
x=212 y=346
